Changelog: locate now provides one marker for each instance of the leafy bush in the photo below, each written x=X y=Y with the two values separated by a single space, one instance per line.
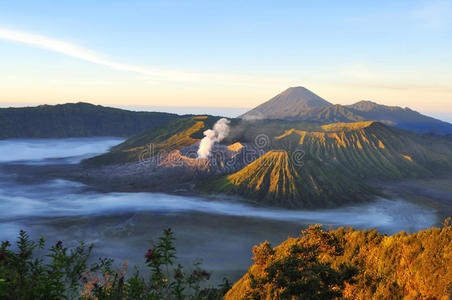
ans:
x=302 y=273
x=353 y=264
x=60 y=273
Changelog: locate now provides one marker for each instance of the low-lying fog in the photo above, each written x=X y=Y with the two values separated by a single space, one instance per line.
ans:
x=39 y=151
x=122 y=225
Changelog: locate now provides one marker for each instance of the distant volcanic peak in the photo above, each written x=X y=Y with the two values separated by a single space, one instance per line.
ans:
x=296 y=90
x=290 y=100
x=300 y=96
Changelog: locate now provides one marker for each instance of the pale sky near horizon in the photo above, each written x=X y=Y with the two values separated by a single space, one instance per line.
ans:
x=234 y=54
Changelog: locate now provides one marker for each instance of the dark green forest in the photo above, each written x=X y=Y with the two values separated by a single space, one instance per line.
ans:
x=76 y=120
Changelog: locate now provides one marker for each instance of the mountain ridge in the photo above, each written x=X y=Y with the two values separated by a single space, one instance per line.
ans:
x=364 y=110
x=79 y=119
x=331 y=166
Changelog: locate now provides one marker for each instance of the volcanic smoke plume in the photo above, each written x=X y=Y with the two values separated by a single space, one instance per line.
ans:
x=211 y=136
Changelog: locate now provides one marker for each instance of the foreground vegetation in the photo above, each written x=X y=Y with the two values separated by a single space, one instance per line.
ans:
x=354 y=264
x=60 y=273
x=319 y=264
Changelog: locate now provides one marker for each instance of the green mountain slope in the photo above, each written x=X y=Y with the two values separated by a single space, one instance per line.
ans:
x=326 y=168
x=174 y=135
x=373 y=150
x=76 y=120
x=278 y=179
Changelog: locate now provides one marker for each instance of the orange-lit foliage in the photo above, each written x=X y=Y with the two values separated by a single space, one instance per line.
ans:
x=92 y=282
x=300 y=271
x=411 y=266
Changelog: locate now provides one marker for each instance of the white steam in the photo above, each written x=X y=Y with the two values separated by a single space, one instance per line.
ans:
x=211 y=136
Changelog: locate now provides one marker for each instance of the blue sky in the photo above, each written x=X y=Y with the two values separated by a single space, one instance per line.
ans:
x=226 y=54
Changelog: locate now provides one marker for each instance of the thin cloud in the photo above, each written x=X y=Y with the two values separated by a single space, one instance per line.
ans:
x=69 y=49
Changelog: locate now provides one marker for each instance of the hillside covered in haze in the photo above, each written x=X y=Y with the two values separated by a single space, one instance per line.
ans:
x=76 y=120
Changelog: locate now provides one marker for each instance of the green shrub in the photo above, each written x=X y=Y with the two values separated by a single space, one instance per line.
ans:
x=30 y=272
